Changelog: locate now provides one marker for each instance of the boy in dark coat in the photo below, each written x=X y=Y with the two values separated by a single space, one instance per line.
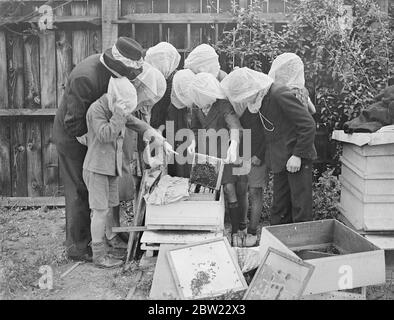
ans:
x=289 y=133
x=213 y=113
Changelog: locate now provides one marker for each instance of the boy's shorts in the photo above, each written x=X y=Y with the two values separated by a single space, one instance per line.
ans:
x=103 y=190
x=258 y=176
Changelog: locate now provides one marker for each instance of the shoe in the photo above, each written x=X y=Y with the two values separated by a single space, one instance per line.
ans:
x=83 y=257
x=236 y=240
x=116 y=253
x=117 y=243
x=107 y=262
x=250 y=240
x=79 y=255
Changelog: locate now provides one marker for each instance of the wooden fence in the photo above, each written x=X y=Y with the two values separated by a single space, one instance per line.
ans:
x=34 y=66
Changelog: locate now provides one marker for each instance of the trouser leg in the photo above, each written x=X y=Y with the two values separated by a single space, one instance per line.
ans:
x=113 y=220
x=301 y=193
x=256 y=199
x=243 y=204
x=281 y=204
x=231 y=197
x=78 y=233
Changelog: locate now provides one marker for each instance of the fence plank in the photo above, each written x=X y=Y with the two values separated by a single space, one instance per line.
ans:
x=5 y=169
x=32 y=72
x=48 y=69
x=33 y=153
x=15 y=70
x=95 y=40
x=80 y=38
x=3 y=71
x=110 y=10
x=63 y=54
x=18 y=158
x=50 y=161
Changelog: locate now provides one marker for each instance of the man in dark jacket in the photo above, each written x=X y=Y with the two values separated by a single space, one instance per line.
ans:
x=87 y=82
x=290 y=132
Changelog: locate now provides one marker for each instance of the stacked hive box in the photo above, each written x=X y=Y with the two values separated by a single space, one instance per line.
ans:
x=367 y=180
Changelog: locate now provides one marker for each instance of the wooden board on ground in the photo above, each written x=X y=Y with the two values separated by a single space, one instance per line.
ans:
x=335 y=295
x=163 y=283
x=181 y=237
x=206 y=269
x=279 y=277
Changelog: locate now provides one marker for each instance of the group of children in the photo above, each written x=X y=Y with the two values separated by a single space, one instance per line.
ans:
x=276 y=109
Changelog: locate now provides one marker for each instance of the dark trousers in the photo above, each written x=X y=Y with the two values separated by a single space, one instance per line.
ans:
x=77 y=205
x=292 y=199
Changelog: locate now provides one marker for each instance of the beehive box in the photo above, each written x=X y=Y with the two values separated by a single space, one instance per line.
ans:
x=373 y=161
x=368 y=212
x=365 y=185
x=360 y=263
x=187 y=215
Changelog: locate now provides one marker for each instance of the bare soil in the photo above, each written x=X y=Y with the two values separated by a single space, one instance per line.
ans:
x=33 y=238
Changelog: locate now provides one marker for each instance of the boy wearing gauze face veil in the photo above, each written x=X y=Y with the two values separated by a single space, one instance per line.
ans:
x=289 y=131
x=214 y=113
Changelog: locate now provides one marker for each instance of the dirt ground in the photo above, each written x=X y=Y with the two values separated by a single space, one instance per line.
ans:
x=30 y=239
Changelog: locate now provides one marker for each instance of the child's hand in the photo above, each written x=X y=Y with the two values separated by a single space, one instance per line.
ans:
x=119 y=108
x=293 y=164
x=192 y=147
x=256 y=162
x=232 y=152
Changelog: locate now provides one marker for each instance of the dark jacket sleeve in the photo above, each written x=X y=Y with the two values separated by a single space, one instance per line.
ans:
x=160 y=109
x=305 y=126
x=78 y=101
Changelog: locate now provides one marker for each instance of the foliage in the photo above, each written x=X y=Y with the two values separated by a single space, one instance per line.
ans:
x=252 y=42
x=326 y=195
x=346 y=64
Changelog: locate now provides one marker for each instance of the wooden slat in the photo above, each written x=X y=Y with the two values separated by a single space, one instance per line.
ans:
x=63 y=55
x=193 y=18
x=48 y=69
x=18 y=159
x=15 y=71
x=32 y=201
x=80 y=38
x=32 y=72
x=5 y=159
x=27 y=112
x=34 y=164
x=50 y=161
x=63 y=61
x=95 y=40
x=110 y=9
x=3 y=71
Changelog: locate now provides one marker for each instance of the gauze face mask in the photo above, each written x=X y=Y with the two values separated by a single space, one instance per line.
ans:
x=164 y=57
x=123 y=94
x=203 y=59
x=246 y=88
x=181 y=84
x=288 y=70
x=205 y=90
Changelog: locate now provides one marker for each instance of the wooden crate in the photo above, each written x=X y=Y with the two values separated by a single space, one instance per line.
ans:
x=187 y=215
x=360 y=261
x=366 y=212
x=375 y=162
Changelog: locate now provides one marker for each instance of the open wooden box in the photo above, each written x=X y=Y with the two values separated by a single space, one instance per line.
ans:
x=343 y=259
x=201 y=211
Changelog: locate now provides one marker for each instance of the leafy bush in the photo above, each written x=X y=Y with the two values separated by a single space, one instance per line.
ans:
x=326 y=195
x=346 y=64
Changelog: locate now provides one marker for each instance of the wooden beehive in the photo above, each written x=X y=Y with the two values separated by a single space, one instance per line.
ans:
x=357 y=258
x=367 y=180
